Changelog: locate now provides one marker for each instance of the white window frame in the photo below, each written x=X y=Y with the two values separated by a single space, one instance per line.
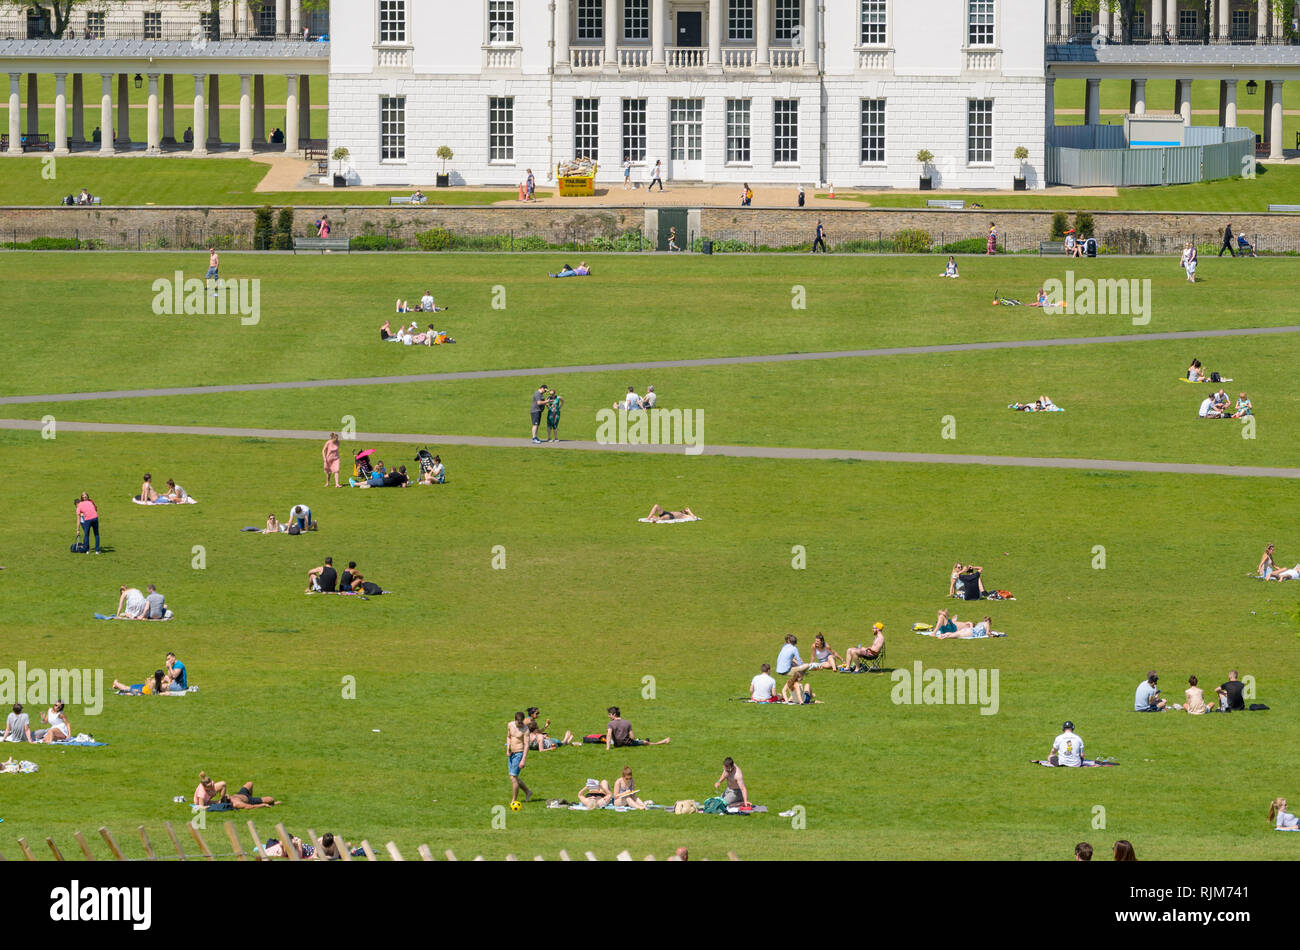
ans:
x=95 y=20
x=593 y=27
x=975 y=135
x=787 y=19
x=686 y=119
x=872 y=128
x=502 y=23
x=636 y=13
x=876 y=14
x=739 y=144
x=1239 y=24
x=586 y=125
x=981 y=23
x=152 y=25
x=1194 y=15
x=636 y=133
x=740 y=21
x=501 y=141
x=399 y=15
x=1081 y=22
x=210 y=24
x=785 y=129
x=392 y=108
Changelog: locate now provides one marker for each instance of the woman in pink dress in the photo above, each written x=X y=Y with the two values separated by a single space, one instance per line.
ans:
x=992 y=243
x=330 y=453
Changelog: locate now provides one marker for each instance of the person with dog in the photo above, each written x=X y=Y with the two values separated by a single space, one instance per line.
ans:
x=88 y=520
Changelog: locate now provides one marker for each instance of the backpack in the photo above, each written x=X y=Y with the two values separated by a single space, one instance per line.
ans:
x=1216 y=378
x=686 y=807
x=713 y=806
x=79 y=547
x=294 y=529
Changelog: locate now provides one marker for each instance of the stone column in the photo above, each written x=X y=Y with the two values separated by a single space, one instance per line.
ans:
x=78 y=111
x=1225 y=20
x=214 y=111
x=762 y=32
x=295 y=18
x=1137 y=96
x=809 y=23
x=200 y=121
x=1275 y=118
x=259 y=110
x=1261 y=20
x=304 y=108
x=562 y=31
x=241 y=17
x=1053 y=21
x=1228 y=103
x=1183 y=91
x=1106 y=20
x=153 y=134
x=1171 y=19
x=716 y=16
x=291 y=113
x=1157 y=22
x=1279 y=26
x=281 y=17
x=1092 y=102
x=245 y=114
x=106 y=114
x=60 y=113
x=611 y=32
x=124 y=108
x=15 y=115
x=168 y=110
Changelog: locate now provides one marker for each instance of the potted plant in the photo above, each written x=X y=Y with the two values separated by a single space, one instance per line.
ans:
x=340 y=155
x=925 y=157
x=1021 y=154
x=446 y=154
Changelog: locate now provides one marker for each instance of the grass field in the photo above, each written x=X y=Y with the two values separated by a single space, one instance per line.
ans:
x=593 y=609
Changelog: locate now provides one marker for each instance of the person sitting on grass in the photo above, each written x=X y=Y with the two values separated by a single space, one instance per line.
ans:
x=626 y=792
x=131 y=605
x=618 y=733
x=436 y=475
x=147 y=492
x=540 y=741
x=1278 y=815
x=1195 y=704
x=859 y=655
x=175 y=494
x=179 y=675
x=1123 y=851
x=735 y=793
x=18 y=727
x=1232 y=694
x=1067 y=748
x=566 y=270
x=823 y=657
x=1208 y=410
x=1196 y=372
x=1221 y=401
x=796 y=692
x=323 y=579
x=244 y=798
x=964 y=576
x=57 y=728
x=595 y=794
x=208 y=791
x=950 y=269
x=1147 y=698
x=1243 y=407
x=1041 y=300
x=968 y=631
x=658 y=513
x=762 y=687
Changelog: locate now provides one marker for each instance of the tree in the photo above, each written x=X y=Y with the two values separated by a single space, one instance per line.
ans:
x=341 y=155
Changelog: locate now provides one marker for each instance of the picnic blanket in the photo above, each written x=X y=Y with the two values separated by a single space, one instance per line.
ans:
x=1029 y=407
x=22 y=766
x=116 y=617
x=927 y=630
x=670 y=520
x=189 y=500
x=1186 y=380
x=80 y=739
x=1087 y=763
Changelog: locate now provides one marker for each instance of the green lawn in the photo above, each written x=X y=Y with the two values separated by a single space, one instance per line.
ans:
x=668 y=624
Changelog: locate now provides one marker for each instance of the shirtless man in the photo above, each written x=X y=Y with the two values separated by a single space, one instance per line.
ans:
x=659 y=514
x=214 y=265
x=147 y=491
x=859 y=654
x=244 y=798
x=517 y=755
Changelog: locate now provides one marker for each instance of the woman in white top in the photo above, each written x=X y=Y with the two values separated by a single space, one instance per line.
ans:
x=131 y=605
x=58 y=724
x=1277 y=813
x=823 y=657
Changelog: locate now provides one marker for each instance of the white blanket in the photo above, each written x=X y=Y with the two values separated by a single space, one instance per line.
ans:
x=670 y=520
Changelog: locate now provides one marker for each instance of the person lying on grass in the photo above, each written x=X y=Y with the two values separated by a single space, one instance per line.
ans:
x=244 y=798
x=595 y=794
x=543 y=743
x=273 y=525
x=964 y=630
x=795 y=691
x=859 y=654
x=626 y=792
x=156 y=684
x=582 y=270
x=618 y=733
x=658 y=513
x=823 y=657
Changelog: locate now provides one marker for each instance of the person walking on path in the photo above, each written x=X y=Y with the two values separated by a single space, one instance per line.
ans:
x=1227 y=241
x=330 y=456
x=820 y=239
x=657 y=176
x=992 y=245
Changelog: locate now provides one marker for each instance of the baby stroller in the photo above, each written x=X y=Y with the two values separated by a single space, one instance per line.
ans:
x=1245 y=247
x=426 y=460
x=361 y=468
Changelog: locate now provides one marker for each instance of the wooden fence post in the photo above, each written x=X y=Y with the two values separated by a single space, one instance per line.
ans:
x=393 y=852
x=198 y=839
x=148 y=848
x=81 y=842
x=112 y=845
x=286 y=842
x=54 y=848
x=234 y=843
x=171 y=833
x=27 y=852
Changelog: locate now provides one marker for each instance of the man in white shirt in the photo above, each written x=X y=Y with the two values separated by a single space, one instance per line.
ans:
x=650 y=398
x=1067 y=748
x=1207 y=410
x=632 y=401
x=762 y=686
x=426 y=302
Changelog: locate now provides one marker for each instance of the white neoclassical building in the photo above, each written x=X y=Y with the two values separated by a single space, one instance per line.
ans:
x=808 y=91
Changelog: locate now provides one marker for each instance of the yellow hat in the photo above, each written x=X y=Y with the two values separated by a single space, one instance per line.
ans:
x=877 y=626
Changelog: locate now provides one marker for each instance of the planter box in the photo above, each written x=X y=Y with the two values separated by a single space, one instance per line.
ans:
x=444 y=181
x=1018 y=184
x=927 y=183
x=340 y=181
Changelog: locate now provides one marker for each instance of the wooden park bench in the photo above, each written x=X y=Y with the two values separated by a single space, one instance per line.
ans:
x=952 y=204
x=407 y=200
x=320 y=244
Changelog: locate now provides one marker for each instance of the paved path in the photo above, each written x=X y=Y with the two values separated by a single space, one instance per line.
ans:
x=732 y=451
x=543 y=372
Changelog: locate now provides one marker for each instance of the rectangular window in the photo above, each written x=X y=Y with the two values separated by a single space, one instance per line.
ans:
x=686 y=129
x=210 y=24
x=501 y=21
x=153 y=24
x=634 y=129
x=264 y=21
x=873 y=23
x=1082 y=23
x=392 y=128
x=979 y=22
x=636 y=19
x=786 y=19
x=1241 y=24
x=392 y=21
x=586 y=128
x=501 y=129
x=1188 y=28
x=591 y=19
x=1138 y=29
x=740 y=20
x=979 y=131
x=785 y=131
x=738 y=131
x=95 y=25
x=873 y=131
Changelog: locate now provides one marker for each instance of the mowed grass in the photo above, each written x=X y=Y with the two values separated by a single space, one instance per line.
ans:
x=319 y=315
x=591 y=603
x=44 y=179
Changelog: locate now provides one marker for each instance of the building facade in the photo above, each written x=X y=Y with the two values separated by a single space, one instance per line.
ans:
x=762 y=91
x=169 y=20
